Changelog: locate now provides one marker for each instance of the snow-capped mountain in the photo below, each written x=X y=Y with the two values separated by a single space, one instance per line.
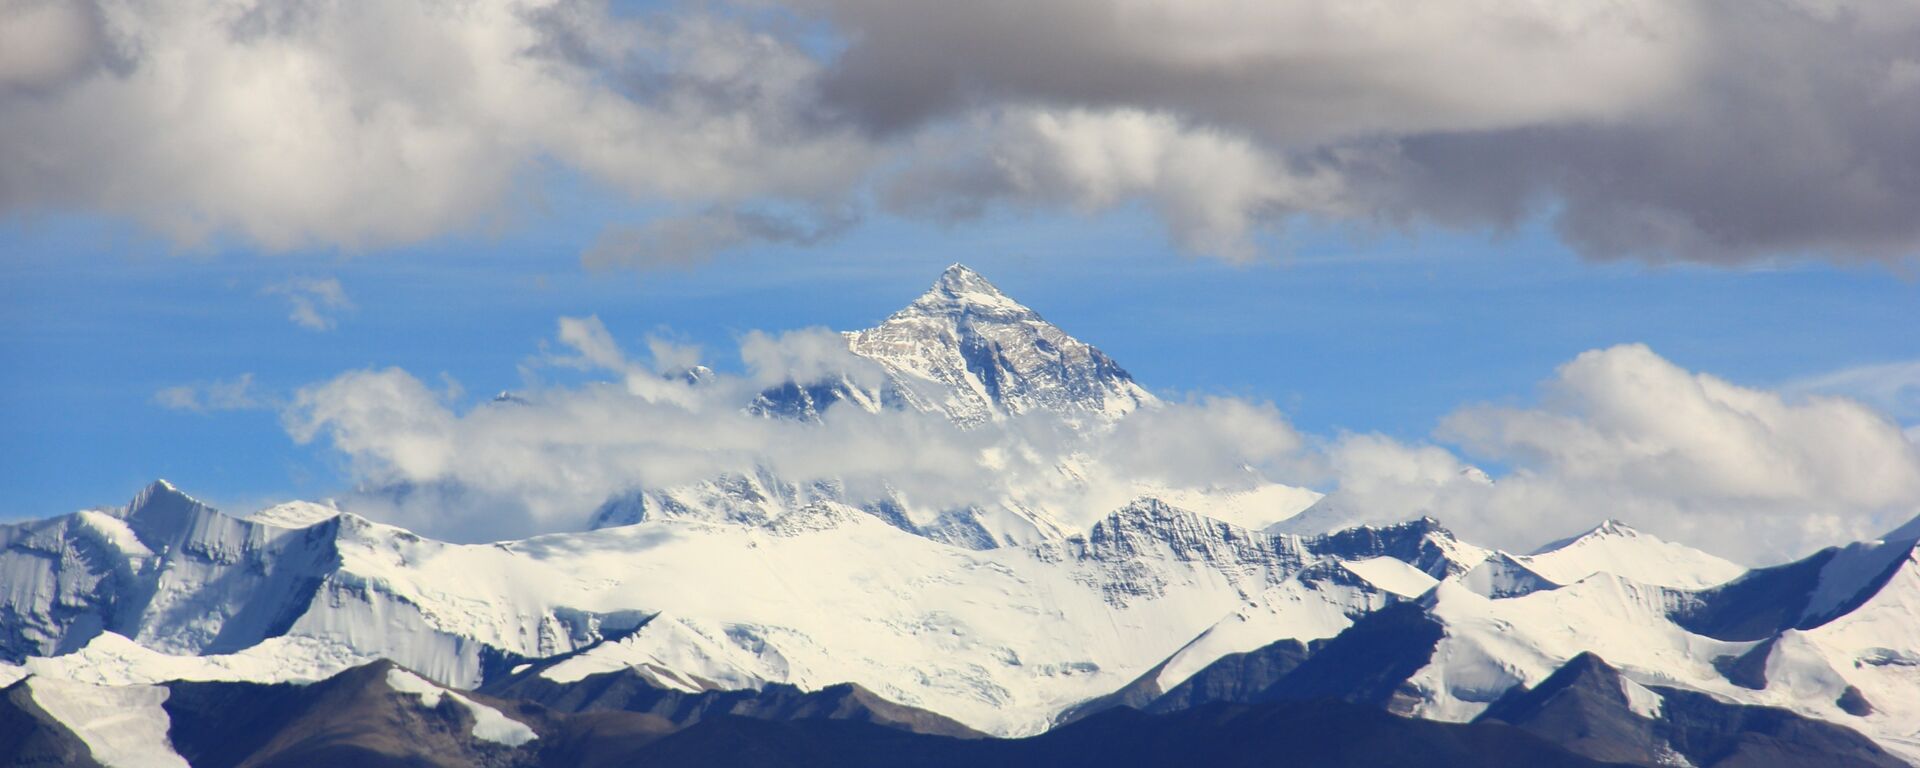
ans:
x=967 y=352
x=1816 y=637
x=1615 y=548
x=165 y=570
x=1213 y=610
x=999 y=639
x=1006 y=641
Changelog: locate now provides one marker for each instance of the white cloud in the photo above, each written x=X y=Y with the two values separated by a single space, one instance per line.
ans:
x=1623 y=433
x=1211 y=187
x=1200 y=443
x=546 y=461
x=236 y=394
x=1616 y=433
x=370 y=124
x=594 y=349
x=805 y=355
x=313 y=303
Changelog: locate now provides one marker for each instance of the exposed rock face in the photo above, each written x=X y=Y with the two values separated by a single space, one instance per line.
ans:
x=1588 y=707
x=29 y=735
x=1803 y=594
x=1321 y=734
x=1423 y=543
x=633 y=691
x=967 y=350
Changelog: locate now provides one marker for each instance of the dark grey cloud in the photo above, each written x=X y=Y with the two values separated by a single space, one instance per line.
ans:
x=48 y=44
x=1723 y=131
x=689 y=239
x=1712 y=131
x=1802 y=137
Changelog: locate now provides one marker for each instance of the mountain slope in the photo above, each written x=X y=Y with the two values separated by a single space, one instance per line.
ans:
x=635 y=690
x=166 y=570
x=1000 y=640
x=373 y=715
x=1321 y=734
x=1613 y=547
x=1588 y=707
x=30 y=735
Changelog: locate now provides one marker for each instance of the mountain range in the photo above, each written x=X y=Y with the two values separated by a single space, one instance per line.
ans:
x=756 y=619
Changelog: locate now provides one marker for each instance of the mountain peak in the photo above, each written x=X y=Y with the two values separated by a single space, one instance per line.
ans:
x=960 y=279
x=967 y=350
x=1613 y=527
x=1613 y=547
x=1607 y=529
x=962 y=290
x=158 y=495
x=160 y=513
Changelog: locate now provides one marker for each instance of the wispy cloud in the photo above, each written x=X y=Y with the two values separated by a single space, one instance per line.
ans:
x=235 y=394
x=313 y=303
x=1891 y=387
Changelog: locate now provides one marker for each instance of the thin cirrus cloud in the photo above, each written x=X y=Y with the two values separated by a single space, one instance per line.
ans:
x=1716 y=131
x=235 y=394
x=1891 y=387
x=312 y=303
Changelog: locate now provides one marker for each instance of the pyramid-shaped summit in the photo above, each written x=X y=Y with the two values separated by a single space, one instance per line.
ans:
x=962 y=290
x=967 y=350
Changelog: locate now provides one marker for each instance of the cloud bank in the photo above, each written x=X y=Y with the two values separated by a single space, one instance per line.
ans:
x=1621 y=433
x=1717 y=131
x=546 y=458
x=1625 y=434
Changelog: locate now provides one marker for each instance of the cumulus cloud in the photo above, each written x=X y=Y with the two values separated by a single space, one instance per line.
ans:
x=312 y=303
x=805 y=355
x=235 y=394
x=1706 y=130
x=1751 y=474
x=1723 y=131
x=367 y=124
x=1212 y=188
x=1623 y=433
x=1200 y=443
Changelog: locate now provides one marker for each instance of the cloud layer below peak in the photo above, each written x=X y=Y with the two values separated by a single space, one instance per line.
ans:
x=1616 y=433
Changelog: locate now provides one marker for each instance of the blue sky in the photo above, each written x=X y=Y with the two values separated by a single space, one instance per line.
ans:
x=1380 y=332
